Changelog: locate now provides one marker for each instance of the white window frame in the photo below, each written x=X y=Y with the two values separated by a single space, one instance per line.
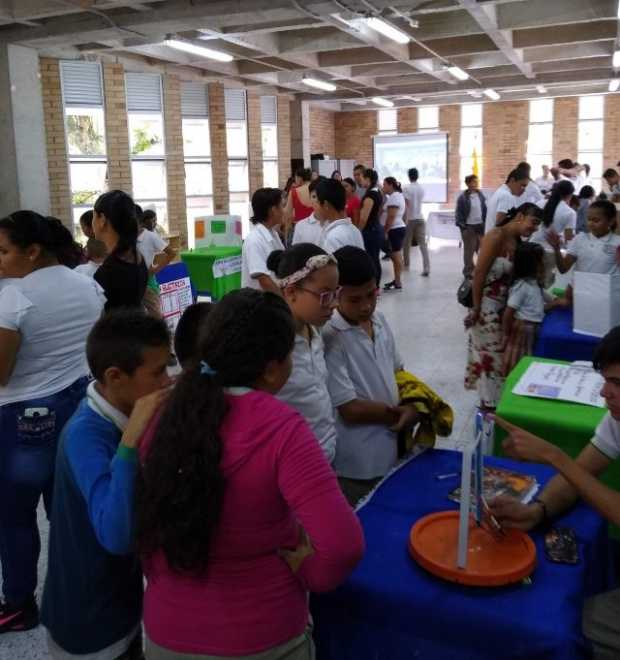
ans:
x=273 y=161
x=428 y=127
x=387 y=121
x=587 y=155
x=237 y=197
x=536 y=155
x=465 y=160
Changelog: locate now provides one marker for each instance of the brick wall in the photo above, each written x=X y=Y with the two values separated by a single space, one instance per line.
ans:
x=116 y=131
x=219 y=153
x=175 y=165
x=450 y=122
x=565 y=118
x=57 y=163
x=611 y=146
x=322 y=131
x=354 y=133
x=284 y=139
x=407 y=120
x=504 y=139
x=255 y=143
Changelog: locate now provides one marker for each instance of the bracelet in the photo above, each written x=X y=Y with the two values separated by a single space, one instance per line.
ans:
x=543 y=506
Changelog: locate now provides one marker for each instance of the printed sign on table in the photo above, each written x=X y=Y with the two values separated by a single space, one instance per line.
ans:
x=227 y=266
x=175 y=297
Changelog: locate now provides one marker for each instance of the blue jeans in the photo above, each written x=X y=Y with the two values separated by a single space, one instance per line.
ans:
x=374 y=236
x=28 y=442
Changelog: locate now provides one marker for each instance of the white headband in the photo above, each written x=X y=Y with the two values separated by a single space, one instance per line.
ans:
x=314 y=263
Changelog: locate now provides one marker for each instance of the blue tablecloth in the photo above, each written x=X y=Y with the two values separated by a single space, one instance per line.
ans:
x=557 y=341
x=391 y=609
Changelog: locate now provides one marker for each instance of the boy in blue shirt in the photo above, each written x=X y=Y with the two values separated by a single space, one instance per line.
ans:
x=92 y=601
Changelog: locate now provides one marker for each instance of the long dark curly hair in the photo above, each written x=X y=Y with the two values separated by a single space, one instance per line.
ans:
x=180 y=487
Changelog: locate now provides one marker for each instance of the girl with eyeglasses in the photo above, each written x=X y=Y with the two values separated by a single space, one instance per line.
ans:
x=308 y=279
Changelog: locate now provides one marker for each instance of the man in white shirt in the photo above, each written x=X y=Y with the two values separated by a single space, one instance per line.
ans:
x=329 y=200
x=578 y=478
x=471 y=209
x=416 y=225
x=310 y=229
x=505 y=198
x=546 y=181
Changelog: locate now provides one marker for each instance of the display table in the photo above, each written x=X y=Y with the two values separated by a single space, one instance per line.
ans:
x=567 y=425
x=392 y=609
x=214 y=271
x=442 y=224
x=557 y=340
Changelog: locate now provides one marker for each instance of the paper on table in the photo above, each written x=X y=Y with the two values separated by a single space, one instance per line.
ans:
x=564 y=382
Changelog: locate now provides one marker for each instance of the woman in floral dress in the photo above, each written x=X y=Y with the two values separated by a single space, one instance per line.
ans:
x=492 y=279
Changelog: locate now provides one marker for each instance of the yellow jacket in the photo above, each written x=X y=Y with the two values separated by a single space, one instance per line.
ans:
x=436 y=415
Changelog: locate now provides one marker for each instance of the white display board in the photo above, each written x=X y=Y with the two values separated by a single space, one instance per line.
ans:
x=428 y=152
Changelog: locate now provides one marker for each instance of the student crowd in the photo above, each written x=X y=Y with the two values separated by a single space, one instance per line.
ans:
x=202 y=510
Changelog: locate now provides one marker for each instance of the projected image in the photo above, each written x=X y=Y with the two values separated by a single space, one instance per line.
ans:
x=394 y=155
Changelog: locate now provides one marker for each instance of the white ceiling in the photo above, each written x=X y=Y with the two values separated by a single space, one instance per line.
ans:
x=509 y=45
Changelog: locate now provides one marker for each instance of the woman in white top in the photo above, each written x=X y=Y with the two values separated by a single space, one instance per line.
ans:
x=262 y=240
x=46 y=314
x=597 y=251
x=308 y=280
x=395 y=227
x=558 y=218
x=505 y=198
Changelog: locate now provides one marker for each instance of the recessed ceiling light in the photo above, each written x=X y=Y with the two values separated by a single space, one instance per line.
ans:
x=379 y=100
x=541 y=89
x=209 y=53
x=388 y=30
x=457 y=72
x=492 y=94
x=614 y=84
x=319 y=84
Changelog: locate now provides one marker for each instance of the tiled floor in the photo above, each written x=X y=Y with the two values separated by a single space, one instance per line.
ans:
x=427 y=322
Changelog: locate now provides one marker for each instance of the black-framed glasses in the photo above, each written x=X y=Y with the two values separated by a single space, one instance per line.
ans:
x=326 y=298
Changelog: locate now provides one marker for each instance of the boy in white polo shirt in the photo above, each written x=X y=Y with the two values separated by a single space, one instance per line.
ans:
x=329 y=200
x=362 y=360
x=310 y=229
x=578 y=478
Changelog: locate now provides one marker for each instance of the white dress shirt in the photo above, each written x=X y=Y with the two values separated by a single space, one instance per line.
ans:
x=257 y=247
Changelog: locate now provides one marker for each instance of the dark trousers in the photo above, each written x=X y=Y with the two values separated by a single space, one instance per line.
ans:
x=373 y=240
x=28 y=442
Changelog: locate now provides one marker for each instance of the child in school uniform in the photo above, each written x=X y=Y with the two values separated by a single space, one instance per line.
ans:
x=96 y=252
x=597 y=251
x=362 y=360
x=308 y=279
x=527 y=303
x=92 y=601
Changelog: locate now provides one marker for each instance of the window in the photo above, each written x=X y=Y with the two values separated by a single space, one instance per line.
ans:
x=82 y=95
x=471 y=140
x=428 y=119
x=590 y=136
x=146 y=142
x=387 y=121
x=197 y=151
x=540 y=136
x=269 y=133
x=237 y=146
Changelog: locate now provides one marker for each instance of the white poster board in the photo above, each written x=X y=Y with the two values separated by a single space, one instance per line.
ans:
x=596 y=303
x=428 y=152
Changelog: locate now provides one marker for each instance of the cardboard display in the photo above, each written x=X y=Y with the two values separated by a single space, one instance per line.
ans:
x=596 y=302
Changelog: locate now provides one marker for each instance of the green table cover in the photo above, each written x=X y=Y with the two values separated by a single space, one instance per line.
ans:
x=567 y=425
x=225 y=261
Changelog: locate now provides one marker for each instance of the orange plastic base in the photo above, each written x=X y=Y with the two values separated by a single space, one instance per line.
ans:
x=491 y=562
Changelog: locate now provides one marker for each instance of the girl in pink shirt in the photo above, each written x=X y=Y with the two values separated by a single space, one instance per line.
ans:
x=238 y=513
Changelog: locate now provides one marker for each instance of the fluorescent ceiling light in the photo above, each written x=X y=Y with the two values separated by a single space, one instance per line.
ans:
x=187 y=47
x=614 y=84
x=388 y=30
x=541 y=89
x=616 y=60
x=458 y=73
x=319 y=84
x=379 y=100
x=492 y=94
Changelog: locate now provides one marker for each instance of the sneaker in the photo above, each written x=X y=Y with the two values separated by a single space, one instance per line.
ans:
x=426 y=273
x=392 y=285
x=19 y=618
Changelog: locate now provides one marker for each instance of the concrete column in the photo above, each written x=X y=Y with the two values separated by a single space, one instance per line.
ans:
x=23 y=175
x=219 y=152
x=300 y=131
x=255 y=142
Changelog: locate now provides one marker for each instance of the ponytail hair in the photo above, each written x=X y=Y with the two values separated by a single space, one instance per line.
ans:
x=263 y=200
x=121 y=212
x=285 y=263
x=527 y=209
x=26 y=228
x=180 y=487
x=561 y=190
x=391 y=181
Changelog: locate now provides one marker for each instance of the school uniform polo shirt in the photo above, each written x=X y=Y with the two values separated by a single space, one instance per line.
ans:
x=501 y=201
x=309 y=230
x=607 y=437
x=360 y=368
x=257 y=247
x=340 y=233
x=595 y=255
